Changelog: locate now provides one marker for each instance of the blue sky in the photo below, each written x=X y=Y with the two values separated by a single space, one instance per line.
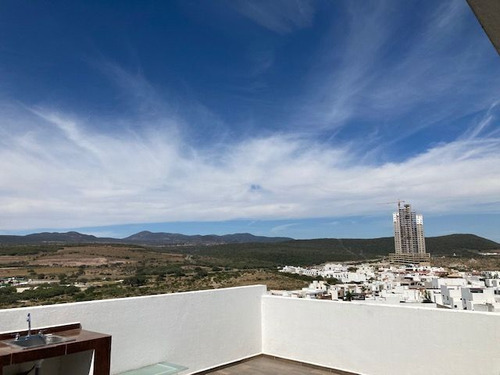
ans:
x=286 y=118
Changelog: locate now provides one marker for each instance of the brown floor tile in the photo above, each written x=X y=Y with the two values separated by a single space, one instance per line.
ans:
x=264 y=365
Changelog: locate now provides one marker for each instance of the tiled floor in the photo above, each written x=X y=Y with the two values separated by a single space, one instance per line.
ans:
x=264 y=365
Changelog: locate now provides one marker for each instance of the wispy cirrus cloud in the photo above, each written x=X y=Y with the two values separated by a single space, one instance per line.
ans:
x=355 y=79
x=167 y=156
x=280 y=16
x=344 y=65
x=485 y=126
x=58 y=171
x=282 y=228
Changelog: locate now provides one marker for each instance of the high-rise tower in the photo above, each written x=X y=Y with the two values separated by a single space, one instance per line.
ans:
x=409 y=240
x=408 y=231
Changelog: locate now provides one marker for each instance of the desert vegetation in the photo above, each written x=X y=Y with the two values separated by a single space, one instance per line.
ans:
x=58 y=273
x=61 y=274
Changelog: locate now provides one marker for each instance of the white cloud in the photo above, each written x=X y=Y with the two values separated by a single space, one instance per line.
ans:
x=434 y=79
x=57 y=172
x=282 y=228
x=280 y=16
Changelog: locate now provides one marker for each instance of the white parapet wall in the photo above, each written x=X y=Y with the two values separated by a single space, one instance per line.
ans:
x=381 y=340
x=206 y=329
x=200 y=329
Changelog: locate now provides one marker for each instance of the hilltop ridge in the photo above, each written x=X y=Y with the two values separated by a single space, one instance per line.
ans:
x=140 y=238
x=271 y=249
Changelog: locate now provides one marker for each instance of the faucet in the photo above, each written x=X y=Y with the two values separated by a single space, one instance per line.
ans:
x=28 y=319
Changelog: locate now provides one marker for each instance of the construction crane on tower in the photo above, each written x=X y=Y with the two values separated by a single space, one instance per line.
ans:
x=399 y=201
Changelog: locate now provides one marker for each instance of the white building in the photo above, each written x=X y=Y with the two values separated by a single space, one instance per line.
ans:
x=492 y=283
x=452 y=296
x=436 y=283
x=472 y=297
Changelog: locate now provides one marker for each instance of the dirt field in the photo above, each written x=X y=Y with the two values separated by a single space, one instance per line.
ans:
x=107 y=271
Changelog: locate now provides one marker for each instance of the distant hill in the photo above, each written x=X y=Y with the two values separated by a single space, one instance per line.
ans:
x=53 y=238
x=459 y=244
x=141 y=238
x=244 y=248
x=149 y=238
x=316 y=251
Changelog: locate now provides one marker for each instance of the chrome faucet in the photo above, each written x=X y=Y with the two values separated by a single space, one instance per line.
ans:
x=28 y=319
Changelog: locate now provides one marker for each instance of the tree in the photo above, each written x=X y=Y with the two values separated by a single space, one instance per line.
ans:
x=137 y=280
x=348 y=296
x=427 y=298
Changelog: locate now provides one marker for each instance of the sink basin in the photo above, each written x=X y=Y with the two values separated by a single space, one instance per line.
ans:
x=34 y=341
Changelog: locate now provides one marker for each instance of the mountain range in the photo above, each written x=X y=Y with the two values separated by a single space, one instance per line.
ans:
x=468 y=241
x=141 y=238
x=243 y=248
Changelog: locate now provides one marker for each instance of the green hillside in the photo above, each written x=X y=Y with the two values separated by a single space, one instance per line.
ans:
x=460 y=244
x=307 y=252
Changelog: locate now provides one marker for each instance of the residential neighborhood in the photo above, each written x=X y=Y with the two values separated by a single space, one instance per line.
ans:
x=404 y=284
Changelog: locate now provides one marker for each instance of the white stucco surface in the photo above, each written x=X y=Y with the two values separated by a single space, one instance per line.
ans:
x=379 y=339
x=200 y=329
x=205 y=329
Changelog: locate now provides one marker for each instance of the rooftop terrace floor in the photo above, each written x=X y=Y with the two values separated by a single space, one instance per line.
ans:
x=265 y=365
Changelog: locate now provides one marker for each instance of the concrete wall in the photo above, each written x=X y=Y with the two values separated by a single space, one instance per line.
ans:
x=381 y=340
x=206 y=329
x=197 y=329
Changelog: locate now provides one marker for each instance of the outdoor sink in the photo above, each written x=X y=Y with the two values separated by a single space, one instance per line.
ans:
x=58 y=342
x=34 y=341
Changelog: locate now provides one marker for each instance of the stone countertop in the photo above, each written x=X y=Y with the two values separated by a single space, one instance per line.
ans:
x=81 y=340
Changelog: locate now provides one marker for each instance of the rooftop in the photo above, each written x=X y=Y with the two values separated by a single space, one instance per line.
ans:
x=265 y=365
x=242 y=330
